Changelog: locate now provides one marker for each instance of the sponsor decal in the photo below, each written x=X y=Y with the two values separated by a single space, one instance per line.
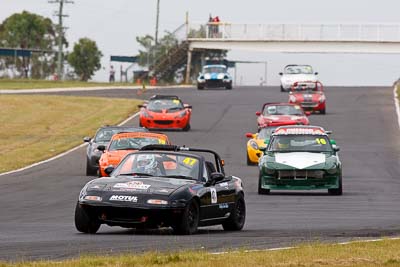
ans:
x=124 y=198
x=132 y=185
x=214 y=198
x=299 y=131
x=223 y=184
x=162 y=191
x=223 y=206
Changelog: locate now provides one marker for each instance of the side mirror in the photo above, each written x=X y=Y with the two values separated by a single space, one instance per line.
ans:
x=249 y=135
x=266 y=141
x=215 y=178
x=141 y=106
x=280 y=73
x=262 y=149
x=188 y=106
x=258 y=113
x=336 y=148
x=101 y=147
x=109 y=169
x=333 y=142
x=316 y=73
x=86 y=139
x=308 y=113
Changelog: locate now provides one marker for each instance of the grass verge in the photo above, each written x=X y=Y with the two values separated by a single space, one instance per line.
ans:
x=359 y=254
x=42 y=84
x=35 y=127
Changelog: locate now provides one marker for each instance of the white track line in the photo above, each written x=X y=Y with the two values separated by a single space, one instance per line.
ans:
x=396 y=103
x=64 y=153
x=287 y=248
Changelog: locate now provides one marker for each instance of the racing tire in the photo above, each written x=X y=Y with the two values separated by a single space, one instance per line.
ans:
x=282 y=89
x=187 y=127
x=323 y=111
x=199 y=87
x=236 y=220
x=262 y=191
x=189 y=220
x=140 y=124
x=90 y=171
x=228 y=87
x=249 y=162
x=337 y=191
x=83 y=222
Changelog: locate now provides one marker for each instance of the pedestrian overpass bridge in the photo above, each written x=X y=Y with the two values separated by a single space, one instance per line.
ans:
x=353 y=38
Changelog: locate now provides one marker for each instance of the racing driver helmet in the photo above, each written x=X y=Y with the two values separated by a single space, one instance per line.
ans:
x=283 y=142
x=146 y=163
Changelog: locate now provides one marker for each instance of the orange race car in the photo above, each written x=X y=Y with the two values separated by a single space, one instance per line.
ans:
x=165 y=112
x=123 y=143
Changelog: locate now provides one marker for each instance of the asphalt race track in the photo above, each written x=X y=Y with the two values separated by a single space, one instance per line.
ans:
x=37 y=205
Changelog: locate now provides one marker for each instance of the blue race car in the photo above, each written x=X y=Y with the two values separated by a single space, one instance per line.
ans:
x=214 y=76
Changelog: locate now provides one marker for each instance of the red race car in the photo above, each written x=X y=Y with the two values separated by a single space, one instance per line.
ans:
x=165 y=112
x=279 y=114
x=309 y=95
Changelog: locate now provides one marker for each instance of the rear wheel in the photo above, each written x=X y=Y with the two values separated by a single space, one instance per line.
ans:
x=90 y=171
x=282 y=89
x=262 y=191
x=187 y=127
x=236 y=220
x=337 y=191
x=83 y=222
x=189 y=219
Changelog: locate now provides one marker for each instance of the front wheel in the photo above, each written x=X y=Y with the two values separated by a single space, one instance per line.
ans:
x=187 y=127
x=228 y=87
x=189 y=219
x=337 y=191
x=262 y=191
x=90 y=171
x=236 y=220
x=83 y=222
x=200 y=87
x=323 y=111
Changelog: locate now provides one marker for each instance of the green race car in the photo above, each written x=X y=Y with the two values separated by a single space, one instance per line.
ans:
x=300 y=158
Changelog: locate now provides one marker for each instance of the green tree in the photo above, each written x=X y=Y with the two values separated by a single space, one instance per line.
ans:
x=85 y=58
x=30 y=31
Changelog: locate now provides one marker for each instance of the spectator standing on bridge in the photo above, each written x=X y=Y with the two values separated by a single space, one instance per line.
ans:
x=112 y=74
x=215 y=22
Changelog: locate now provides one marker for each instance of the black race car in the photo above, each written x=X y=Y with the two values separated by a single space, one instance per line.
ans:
x=163 y=186
x=103 y=137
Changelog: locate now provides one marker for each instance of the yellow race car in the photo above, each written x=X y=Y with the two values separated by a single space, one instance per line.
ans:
x=256 y=142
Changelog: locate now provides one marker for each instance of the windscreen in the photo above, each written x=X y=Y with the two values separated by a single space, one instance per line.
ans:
x=133 y=143
x=283 y=110
x=167 y=104
x=159 y=164
x=218 y=69
x=298 y=69
x=300 y=143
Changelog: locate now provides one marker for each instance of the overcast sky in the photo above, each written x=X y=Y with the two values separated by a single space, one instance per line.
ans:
x=115 y=24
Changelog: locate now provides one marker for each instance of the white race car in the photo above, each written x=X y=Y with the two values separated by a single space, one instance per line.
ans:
x=214 y=76
x=296 y=73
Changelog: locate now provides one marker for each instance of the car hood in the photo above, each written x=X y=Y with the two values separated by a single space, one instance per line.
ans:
x=137 y=186
x=301 y=160
x=298 y=77
x=283 y=118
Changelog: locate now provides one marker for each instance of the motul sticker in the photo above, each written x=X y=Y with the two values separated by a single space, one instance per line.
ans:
x=124 y=198
x=214 y=198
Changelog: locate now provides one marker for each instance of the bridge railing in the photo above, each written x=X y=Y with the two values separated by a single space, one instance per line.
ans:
x=295 y=32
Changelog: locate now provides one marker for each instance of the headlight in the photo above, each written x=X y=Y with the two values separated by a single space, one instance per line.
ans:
x=181 y=114
x=332 y=170
x=253 y=144
x=146 y=114
x=220 y=76
x=157 y=202
x=292 y=98
x=93 y=198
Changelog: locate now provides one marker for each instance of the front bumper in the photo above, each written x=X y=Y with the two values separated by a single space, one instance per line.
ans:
x=312 y=106
x=254 y=155
x=291 y=181
x=132 y=217
x=164 y=123
x=214 y=83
